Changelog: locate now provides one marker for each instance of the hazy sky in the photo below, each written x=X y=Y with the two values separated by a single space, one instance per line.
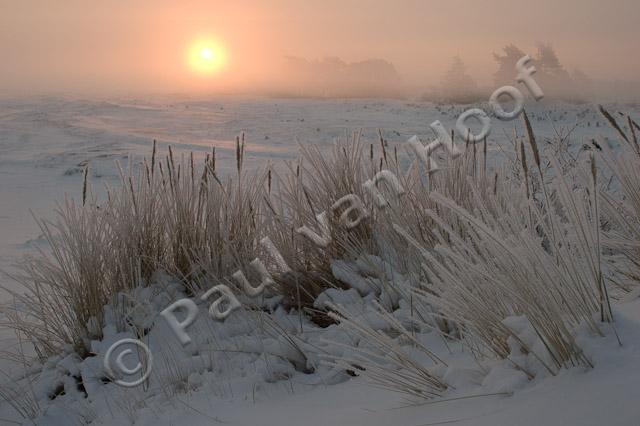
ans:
x=115 y=46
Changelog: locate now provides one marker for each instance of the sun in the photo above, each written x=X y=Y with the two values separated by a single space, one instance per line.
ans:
x=206 y=56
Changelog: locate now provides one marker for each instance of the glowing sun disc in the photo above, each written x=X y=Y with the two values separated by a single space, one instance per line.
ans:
x=206 y=57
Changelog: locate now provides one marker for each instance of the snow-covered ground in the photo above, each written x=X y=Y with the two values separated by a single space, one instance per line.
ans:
x=45 y=144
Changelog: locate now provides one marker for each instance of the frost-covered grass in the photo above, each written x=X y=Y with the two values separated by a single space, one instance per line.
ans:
x=505 y=272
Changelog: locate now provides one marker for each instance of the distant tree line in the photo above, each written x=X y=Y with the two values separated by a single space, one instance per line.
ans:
x=460 y=87
x=332 y=77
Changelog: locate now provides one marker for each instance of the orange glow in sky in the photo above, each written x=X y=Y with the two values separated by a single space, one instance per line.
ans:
x=206 y=56
x=199 y=46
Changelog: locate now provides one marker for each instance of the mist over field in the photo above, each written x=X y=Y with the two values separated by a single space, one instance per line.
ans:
x=333 y=48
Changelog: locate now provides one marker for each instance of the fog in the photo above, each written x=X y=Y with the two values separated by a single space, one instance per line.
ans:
x=304 y=48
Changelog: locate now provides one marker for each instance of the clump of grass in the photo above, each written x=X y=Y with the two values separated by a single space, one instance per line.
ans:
x=19 y=395
x=66 y=288
x=305 y=191
x=170 y=215
x=231 y=223
x=379 y=357
x=515 y=251
x=621 y=205
x=501 y=269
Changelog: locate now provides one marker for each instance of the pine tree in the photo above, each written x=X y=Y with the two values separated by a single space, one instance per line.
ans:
x=551 y=75
x=457 y=84
x=548 y=63
x=507 y=64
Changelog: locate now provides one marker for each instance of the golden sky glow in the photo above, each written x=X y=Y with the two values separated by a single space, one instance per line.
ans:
x=208 y=45
x=206 y=56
